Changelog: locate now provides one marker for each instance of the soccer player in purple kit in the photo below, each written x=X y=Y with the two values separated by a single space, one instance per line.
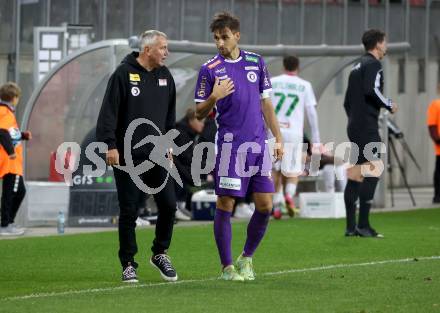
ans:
x=236 y=85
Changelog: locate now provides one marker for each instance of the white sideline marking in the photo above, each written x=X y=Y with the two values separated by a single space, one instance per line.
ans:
x=301 y=270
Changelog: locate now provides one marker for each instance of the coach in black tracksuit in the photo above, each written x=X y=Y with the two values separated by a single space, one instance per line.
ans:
x=141 y=87
x=363 y=101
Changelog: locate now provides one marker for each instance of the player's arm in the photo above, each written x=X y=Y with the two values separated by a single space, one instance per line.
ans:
x=220 y=89
x=272 y=122
x=265 y=88
x=312 y=115
x=204 y=108
x=372 y=76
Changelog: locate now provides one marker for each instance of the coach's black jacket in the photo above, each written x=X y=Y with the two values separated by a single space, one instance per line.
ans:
x=133 y=92
x=364 y=98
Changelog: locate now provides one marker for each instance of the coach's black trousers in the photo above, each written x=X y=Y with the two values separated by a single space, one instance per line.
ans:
x=128 y=195
x=437 y=179
x=12 y=195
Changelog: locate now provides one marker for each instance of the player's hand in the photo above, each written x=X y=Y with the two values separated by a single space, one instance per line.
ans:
x=222 y=88
x=112 y=157
x=12 y=156
x=393 y=108
x=278 y=151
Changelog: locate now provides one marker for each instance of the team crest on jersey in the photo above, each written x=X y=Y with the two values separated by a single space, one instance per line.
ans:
x=135 y=91
x=252 y=77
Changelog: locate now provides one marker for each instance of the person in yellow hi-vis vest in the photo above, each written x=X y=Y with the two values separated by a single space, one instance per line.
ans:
x=11 y=159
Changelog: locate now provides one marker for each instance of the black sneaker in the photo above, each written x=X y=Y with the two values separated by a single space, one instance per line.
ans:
x=368 y=232
x=350 y=233
x=129 y=274
x=163 y=263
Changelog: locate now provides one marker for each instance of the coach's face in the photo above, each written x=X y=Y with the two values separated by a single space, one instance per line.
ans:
x=226 y=41
x=158 y=52
x=381 y=48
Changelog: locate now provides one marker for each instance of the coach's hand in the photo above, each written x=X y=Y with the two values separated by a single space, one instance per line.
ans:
x=170 y=156
x=112 y=157
x=393 y=108
x=222 y=88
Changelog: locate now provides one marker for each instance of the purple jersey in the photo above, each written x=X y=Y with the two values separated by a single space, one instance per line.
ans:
x=239 y=113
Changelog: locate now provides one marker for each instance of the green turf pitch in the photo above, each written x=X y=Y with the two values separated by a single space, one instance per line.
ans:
x=321 y=271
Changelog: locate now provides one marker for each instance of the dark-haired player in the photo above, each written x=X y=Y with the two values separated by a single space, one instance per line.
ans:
x=236 y=85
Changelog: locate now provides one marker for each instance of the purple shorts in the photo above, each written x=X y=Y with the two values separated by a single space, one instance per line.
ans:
x=243 y=173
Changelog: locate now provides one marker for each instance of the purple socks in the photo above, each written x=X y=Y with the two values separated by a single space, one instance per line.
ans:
x=255 y=232
x=223 y=235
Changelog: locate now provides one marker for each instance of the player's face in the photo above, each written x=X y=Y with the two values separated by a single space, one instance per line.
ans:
x=382 y=48
x=158 y=52
x=226 y=41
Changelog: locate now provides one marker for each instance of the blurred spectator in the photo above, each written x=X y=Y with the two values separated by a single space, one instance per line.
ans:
x=190 y=129
x=209 y=130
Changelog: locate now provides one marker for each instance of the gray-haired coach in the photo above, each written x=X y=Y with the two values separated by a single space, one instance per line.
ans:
x=141 y=87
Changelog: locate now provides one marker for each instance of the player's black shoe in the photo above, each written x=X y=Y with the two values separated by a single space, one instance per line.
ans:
x=368 y=232
x=350 y=233
x=163 y=263
x=129 y=274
